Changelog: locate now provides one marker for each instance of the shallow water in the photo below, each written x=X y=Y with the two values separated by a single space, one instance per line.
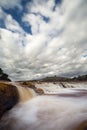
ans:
x=66 y=110
x=58 y=87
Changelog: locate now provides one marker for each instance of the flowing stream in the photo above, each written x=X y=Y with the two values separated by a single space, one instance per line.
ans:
x=65 y=111
x=60 y=87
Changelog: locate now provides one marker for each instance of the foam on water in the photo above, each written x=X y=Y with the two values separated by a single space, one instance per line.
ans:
x=48 y=113
x=57 y=87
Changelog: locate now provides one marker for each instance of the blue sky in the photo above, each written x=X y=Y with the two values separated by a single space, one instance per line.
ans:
x=17 y=13
x=40 y=38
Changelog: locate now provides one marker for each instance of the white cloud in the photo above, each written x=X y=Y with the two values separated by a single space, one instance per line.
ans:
x=10 y=47
x=10 y=4
x=56 y=47
x=12 y=24
x=11 y=38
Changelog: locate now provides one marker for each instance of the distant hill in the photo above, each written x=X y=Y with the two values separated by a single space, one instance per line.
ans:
x=54 y=79
x=61 y=79
x=80 y=78
x=3 y=76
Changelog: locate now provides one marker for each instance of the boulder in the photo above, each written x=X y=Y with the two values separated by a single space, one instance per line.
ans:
x=8 y=97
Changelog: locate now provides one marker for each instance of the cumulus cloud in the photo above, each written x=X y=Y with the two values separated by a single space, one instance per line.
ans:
x=6 y=4
x=57 y=45
x=10 y=23
x=11 y=38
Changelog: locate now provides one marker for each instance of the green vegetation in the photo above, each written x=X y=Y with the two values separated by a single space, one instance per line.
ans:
x=81 y=78
x=65 y=79
x=3 y=76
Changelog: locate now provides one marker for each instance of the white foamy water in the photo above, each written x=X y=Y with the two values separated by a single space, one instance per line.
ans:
x=58 y=87
x=62 y=109
x=47 y=113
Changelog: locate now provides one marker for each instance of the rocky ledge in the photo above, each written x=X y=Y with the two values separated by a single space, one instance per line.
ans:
x=8 y=97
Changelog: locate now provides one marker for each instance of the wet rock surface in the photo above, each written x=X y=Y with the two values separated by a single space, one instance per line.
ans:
x=31 y=85
x=8 y=97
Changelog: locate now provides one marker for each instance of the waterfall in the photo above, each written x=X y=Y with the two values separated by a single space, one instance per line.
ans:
x=49 y=113
x=60 y=86
x=59 y=108
x=25 y=93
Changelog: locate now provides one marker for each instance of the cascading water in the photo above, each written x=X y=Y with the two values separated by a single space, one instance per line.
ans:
x=63 y=112
x=59 y=108
x=57 y=87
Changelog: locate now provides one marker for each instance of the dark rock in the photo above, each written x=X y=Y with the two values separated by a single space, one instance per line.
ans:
x=3 y=76
x=40 y=91
x=29 y=84
x=8 y=97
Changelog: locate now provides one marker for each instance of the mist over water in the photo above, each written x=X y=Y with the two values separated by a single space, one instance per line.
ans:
x=57 y=112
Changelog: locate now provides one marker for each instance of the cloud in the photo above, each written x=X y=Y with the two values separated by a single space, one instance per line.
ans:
x=57 y=45
x=6 y=4
x=10 y=23
x=11 y=38
x=9 y=47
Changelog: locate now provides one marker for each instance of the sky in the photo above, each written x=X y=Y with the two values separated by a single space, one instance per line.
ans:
x=40 y=38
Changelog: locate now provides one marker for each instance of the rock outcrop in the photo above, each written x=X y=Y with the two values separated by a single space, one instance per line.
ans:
x=8 y=97
x=31 y=85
